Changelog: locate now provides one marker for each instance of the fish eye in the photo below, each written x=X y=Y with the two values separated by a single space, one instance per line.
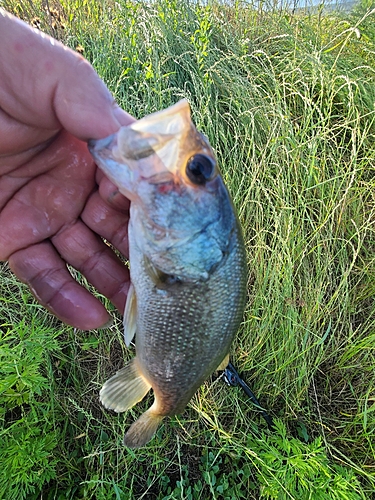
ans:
x=200 y=169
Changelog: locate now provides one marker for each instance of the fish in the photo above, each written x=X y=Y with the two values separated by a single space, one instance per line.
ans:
x=188 y=265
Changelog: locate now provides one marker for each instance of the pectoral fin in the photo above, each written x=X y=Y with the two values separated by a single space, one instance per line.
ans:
x=130 y=316
x=124 y=389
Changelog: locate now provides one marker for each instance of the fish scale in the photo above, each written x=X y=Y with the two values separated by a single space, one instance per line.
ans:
x=187 y=264
x=197 y=320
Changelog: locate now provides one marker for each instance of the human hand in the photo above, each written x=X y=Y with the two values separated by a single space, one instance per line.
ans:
x=54 y=204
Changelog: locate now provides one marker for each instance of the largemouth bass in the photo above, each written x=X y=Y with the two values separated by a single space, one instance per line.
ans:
x=187 y=264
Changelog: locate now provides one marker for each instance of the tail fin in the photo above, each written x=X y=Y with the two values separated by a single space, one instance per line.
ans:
x=142 y=430
x=124 y=389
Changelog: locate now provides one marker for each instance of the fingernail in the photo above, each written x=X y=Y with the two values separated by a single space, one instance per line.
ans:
x=107 y=324
x=122 y=116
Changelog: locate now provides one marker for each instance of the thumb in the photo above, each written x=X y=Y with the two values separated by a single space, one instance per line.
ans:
x=44 y=84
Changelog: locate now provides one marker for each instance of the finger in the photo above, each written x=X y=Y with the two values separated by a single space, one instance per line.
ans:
x=87 y=253
x=40 y=267
x=107 y=221
x=16 y=170
x=19 y=142
x=47 y=85
x=110 y=193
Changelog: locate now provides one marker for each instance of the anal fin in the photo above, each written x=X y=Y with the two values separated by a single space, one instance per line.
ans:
x=125 y=389
x=223 y=364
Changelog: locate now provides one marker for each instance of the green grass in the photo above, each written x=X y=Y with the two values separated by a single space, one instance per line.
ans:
x=287 y=102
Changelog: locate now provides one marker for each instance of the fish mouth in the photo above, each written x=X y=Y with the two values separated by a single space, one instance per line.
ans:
x=158 y=133
x=163 y=149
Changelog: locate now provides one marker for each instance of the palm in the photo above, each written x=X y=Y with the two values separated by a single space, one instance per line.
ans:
x=52 y=218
